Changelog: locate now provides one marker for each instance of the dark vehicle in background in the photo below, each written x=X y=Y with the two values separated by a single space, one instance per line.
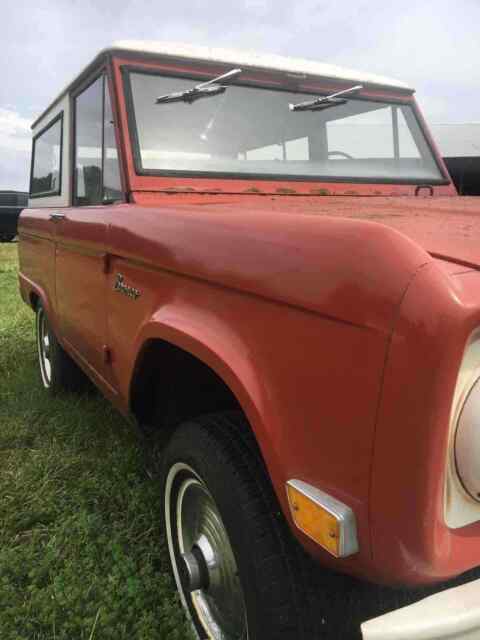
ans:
x=11 y=204
x=459 y=145
x=465 y=173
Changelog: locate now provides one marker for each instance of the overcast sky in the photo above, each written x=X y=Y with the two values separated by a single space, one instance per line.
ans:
x=433 y=45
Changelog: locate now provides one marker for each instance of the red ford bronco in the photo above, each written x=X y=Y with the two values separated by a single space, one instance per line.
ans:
x=263 y=262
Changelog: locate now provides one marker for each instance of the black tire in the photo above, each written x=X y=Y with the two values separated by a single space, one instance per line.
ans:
x=58 y=372
x=220 y=452
x=6 y=237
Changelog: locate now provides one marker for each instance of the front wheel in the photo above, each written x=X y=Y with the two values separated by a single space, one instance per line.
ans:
x=239 y=572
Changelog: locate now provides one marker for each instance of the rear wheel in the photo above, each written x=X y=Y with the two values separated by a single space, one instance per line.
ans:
x=7 y=237
x=58 y=371
x=239 y=572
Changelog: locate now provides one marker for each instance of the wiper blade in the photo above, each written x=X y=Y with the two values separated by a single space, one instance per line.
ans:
x=333 y=100
x=203 y=90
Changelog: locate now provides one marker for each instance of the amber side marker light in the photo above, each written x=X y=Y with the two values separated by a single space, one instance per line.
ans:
x=327 y=521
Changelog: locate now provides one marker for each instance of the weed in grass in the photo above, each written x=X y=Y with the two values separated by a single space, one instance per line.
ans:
x=81 y=553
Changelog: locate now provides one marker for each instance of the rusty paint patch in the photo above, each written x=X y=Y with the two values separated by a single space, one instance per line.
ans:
x=285 y=191
x=180 y=190
x=320 y=192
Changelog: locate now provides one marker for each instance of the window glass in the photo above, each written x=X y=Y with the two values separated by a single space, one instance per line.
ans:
x=112 y=188
x=252 y=131
x=297 y=149
x=289 y=150
x=270 y=152
x=88 y=144
x=47 y=161
x=363 y=135
x=408 y=148
x=97 y=172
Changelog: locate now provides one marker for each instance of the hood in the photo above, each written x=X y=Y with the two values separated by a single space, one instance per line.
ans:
x=446 y=227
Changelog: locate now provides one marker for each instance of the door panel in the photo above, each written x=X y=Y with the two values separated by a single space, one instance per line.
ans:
x=81 y=283
x=36 y=253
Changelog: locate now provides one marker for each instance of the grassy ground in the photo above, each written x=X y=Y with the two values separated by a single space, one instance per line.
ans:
x=81 y=553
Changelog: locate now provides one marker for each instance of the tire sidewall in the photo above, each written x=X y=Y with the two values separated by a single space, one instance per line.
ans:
x=225 y=488
x=41 y=313
x=65 y=374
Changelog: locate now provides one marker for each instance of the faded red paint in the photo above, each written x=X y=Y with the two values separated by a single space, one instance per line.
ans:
x=447 y=227
x=330 y=317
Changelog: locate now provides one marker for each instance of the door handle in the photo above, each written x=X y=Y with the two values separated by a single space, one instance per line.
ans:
x=57 y=216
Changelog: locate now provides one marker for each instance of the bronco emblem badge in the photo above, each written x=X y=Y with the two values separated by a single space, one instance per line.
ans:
x=121 y=287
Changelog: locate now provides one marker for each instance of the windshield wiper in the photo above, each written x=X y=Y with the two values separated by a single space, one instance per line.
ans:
x=203 y=90
x=324 y=103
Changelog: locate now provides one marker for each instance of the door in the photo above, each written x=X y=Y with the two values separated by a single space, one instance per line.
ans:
x=82 y=232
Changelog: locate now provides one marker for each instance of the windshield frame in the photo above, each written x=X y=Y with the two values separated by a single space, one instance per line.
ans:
x=386 y=98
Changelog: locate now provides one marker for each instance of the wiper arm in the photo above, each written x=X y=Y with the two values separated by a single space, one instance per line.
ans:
x=203 y=90
x=325 y=102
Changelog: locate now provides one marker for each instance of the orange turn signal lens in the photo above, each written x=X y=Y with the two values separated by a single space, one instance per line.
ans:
x=328 y=522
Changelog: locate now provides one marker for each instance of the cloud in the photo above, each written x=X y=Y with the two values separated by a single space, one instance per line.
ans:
x=15 y=144
x=14 y=131
x=431 y=44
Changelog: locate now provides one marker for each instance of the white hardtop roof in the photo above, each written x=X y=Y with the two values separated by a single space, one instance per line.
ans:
x=255 y=59
x=238 y=58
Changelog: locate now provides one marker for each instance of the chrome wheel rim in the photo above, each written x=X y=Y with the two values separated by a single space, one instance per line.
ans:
x=202 y=558
x=44 y=345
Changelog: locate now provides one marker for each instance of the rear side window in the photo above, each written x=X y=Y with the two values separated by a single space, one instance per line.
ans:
x=47 y=160
x=97 y=174
x=88 y=144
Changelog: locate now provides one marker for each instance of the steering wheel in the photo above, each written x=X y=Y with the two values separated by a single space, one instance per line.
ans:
x=341 y=153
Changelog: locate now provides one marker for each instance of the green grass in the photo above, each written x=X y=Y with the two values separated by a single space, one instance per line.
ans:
x=81 y=552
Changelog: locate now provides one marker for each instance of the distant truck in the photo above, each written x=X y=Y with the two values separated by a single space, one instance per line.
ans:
x=459 y=145
x=11 y=204
x=465 y=173
x=263 y=262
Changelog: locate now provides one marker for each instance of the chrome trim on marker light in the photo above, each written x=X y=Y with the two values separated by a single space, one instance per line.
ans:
x=344 y=515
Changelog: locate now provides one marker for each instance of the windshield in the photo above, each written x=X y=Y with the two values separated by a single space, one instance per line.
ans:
x=252 y=132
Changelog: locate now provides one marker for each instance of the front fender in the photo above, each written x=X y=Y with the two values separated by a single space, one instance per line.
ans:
x=289 y=371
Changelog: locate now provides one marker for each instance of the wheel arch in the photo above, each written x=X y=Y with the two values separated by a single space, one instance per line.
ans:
x=33 y=294
x=168 y=353
x=159 y=367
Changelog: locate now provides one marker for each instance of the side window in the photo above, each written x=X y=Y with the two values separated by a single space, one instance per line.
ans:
x=112 y=187
x=97 y=176
x=88 y=144
x=47 y=160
